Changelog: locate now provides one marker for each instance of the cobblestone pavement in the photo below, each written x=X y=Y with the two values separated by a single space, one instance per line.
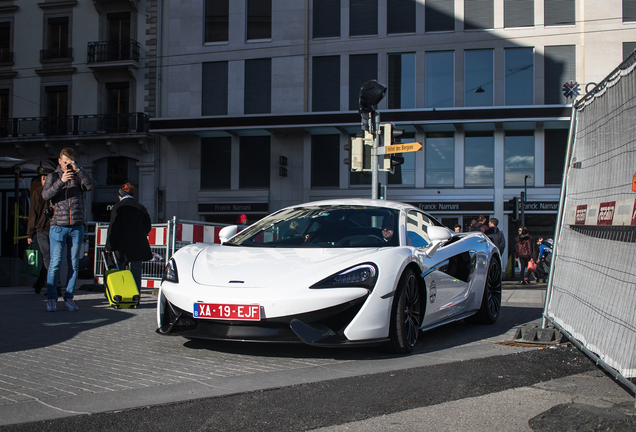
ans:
x=100 y=358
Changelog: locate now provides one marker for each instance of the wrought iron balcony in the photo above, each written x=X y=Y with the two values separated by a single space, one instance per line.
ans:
x=56 y=53
x=111 y=51
x=75 y=125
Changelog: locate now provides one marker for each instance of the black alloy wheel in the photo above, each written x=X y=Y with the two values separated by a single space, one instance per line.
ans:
x=406 y=315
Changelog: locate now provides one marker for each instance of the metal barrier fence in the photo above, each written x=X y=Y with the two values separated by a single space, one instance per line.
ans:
x=591 y=296
x=165 y=239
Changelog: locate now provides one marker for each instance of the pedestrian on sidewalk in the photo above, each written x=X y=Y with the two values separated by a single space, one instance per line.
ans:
x=128 y=233
x=496 y=236
x=64 y=187
x=523 y=248
x=39 y=224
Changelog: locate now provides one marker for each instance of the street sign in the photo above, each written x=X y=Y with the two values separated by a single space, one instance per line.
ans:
x=403 y=148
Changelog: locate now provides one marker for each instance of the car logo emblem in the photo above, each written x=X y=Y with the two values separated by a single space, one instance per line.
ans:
x=433 y=292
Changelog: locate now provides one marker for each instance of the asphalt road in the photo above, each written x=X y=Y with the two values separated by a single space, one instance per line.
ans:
x=105 y=369
x=333 y=402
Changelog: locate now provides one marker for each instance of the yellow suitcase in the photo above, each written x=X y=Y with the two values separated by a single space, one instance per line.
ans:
x=120 y=288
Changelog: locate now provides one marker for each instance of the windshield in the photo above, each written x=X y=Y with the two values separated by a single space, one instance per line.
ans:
x=323 y=227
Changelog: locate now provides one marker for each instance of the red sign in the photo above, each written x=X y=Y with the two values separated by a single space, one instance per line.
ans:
x=606 y=213
x=581 y=213
x=227 y=312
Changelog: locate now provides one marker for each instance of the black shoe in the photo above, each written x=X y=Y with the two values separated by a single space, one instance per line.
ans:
x=521 y=283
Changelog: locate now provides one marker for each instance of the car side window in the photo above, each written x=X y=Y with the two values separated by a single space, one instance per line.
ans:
x=416 y=229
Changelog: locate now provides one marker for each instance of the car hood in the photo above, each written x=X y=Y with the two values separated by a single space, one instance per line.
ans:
x=253 y=267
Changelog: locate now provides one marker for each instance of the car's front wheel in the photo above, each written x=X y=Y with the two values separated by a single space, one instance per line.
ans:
x=406 y=315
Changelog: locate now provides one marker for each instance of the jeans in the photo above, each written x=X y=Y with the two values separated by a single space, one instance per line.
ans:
x=58 y=236
x=136 y=268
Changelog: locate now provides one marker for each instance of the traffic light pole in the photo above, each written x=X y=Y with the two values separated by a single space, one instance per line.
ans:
x=374 y=156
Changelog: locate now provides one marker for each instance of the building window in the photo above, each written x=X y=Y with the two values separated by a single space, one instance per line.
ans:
x=555 y=145
x=479 y=78
x=259 y=19
x=479 y=159
x=440 y=160
x=439 y=79
x=629 y=10
x=326 y=19
x=404 y=174
x=518 y=13
x=400 y=16
x=216 y=166
x=560 y=67
x=254 y=162
x=117 y=105
x=57 y=39
x=362 y=68
x=628 y=49
x=5 y=42
x=559 y=12
x=439 y=15
x=401 y=86
x=4 y=112
x=56 y=110
x=363 y=17
x=214 y=89
x=325 y=83
x=519 y=83
x=117 y=171
x=325 y=161
x=119 y=36
x=258 y=86
x=479 y=14
x=217 y=20
x=518 y=157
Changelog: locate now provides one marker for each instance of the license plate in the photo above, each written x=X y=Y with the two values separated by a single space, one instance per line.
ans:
x=227 y=311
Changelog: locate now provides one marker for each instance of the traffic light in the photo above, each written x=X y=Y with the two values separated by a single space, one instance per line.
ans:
x=359 y=152
x=356 y=154
x=514 y=202
x=391 y=160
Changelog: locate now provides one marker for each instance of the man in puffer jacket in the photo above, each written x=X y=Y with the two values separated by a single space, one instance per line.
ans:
x=64 y=188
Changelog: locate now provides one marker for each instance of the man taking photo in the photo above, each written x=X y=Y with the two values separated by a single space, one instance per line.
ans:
x=64 y=188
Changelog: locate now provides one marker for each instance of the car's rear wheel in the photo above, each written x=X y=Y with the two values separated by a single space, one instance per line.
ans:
x=491 y=300
x=406 y=315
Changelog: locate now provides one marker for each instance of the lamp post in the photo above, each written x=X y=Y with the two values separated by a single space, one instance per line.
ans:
x=523 y=199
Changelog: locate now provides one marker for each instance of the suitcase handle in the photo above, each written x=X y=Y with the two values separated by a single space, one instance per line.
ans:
x=106 y=262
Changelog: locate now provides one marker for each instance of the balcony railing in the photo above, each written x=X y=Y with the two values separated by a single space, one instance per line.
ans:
x=75 y=125
x=99 y=52
x=56 y=53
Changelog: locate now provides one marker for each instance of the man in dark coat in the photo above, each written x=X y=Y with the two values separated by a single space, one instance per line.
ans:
x=128 y=232
x=496 y=236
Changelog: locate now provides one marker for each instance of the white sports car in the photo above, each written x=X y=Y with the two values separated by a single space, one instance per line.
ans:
x=332 y=273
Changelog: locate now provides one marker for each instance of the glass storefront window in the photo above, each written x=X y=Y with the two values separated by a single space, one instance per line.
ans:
x=479 y=160
x=440 y=160
x=439 y=79
x=518 y=158
x=519 y=85
x=478 y=79
x=401 y=87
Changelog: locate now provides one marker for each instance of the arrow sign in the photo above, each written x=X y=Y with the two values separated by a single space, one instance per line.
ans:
x=403 y=148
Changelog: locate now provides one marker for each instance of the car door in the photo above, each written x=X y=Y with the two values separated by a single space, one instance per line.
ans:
x=446 y=273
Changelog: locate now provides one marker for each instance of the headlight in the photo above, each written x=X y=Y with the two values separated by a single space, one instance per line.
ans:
x=170 y=273
x=362 y=275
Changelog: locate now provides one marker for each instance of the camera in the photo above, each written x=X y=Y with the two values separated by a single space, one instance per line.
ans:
x=49 y=212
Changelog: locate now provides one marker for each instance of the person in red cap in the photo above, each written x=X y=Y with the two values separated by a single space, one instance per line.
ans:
x=242 y=220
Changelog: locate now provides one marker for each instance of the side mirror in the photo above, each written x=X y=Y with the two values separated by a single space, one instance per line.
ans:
x=227 y=233
x=437 y=234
